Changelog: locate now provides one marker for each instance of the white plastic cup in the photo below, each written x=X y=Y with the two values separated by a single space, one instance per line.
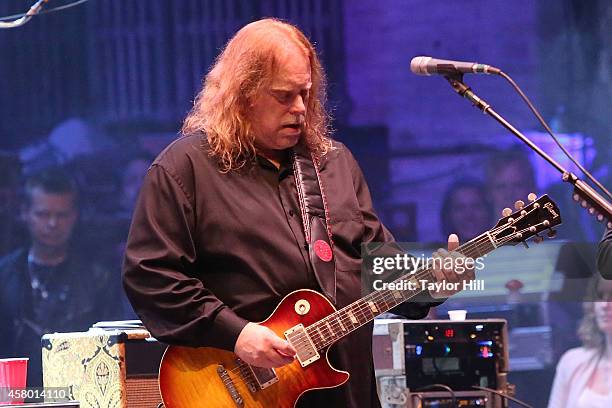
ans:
x=457 y=315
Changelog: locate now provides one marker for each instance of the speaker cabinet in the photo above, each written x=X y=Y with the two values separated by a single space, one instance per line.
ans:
x=104 y=368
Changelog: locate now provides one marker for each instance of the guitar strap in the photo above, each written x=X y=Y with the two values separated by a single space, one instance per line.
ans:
x=315 y=219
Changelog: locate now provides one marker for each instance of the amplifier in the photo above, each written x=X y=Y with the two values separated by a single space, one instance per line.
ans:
x=394 y=394
x=104 y=368
x=459 y=354
x=463 y=399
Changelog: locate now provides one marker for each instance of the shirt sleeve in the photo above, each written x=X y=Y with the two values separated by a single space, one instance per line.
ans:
x=604 y=258
x=160 y=276
x=375 y=231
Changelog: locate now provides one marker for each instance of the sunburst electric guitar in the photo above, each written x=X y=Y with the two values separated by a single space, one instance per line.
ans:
x=209 y=377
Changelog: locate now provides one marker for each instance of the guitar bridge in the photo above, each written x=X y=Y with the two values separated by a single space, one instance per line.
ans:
x=301 y=341
x=230 y=386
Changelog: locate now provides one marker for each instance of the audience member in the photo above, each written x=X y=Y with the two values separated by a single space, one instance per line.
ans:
x=583 y=374
x=510 y=177
x=130 y=181
x=465 y=210
x=51 y=285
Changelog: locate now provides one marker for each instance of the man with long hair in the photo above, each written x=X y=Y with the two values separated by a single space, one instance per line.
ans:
x=218 y=236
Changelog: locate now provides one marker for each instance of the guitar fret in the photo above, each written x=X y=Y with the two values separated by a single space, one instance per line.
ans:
x=320 y=334
x=341 y=325
x=361 y=309
x=331 y=331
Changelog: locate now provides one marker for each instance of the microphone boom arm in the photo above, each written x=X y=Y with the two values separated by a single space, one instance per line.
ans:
x=584 y=194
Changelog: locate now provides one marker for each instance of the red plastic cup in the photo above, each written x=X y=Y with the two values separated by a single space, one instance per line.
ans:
x=13 y=375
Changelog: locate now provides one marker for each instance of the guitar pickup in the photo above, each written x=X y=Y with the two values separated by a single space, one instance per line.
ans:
x=301 y=341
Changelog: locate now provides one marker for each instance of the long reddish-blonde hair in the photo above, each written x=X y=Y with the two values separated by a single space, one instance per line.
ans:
x=245 y=66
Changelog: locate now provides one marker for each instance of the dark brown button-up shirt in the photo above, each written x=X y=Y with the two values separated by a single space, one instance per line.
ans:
x=209 y=251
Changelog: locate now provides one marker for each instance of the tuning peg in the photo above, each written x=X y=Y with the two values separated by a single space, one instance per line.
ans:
x=551 y=233
x=506 y=212
x=538 y=238
x=519 y=204
x=532 y=197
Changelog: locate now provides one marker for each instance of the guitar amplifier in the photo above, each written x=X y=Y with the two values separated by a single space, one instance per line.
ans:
x=104 y=368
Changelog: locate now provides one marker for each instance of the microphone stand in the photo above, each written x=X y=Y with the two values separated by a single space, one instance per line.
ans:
x=584 y=194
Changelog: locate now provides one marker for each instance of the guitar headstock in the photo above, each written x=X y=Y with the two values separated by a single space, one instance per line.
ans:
x=542 y=214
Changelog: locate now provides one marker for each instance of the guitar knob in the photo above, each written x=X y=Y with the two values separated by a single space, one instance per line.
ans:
x=538 y=238
x=532 y=196
x=506 y=212
x=551 y=233
x=519 y=204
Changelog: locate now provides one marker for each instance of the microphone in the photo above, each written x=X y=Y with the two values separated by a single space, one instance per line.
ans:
x=428 y=66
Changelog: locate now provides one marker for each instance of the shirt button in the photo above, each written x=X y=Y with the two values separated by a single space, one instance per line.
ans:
x=291 y=213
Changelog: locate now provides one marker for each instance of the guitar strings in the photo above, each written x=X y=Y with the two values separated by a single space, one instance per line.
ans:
x=360 y=307
x=424 y=272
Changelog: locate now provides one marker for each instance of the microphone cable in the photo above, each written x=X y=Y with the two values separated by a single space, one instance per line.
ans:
x=551 y=133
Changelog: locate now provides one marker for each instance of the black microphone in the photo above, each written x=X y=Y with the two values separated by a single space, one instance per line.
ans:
x=429 y=66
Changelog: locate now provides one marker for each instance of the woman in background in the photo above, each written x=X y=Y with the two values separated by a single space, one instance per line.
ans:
x=584 y=374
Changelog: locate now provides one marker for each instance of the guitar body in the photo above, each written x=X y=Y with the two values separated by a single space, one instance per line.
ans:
x=190 y=377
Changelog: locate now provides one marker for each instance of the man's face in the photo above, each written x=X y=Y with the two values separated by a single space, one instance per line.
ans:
x=50 y=217
x=278 y=111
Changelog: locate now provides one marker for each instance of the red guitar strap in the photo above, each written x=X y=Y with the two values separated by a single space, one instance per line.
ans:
x=315 y=219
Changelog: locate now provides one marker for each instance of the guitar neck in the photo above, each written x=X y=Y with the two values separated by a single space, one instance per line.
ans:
x=344 y=321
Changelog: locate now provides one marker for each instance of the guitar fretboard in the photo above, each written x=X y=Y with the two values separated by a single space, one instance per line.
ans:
x=344 y=321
